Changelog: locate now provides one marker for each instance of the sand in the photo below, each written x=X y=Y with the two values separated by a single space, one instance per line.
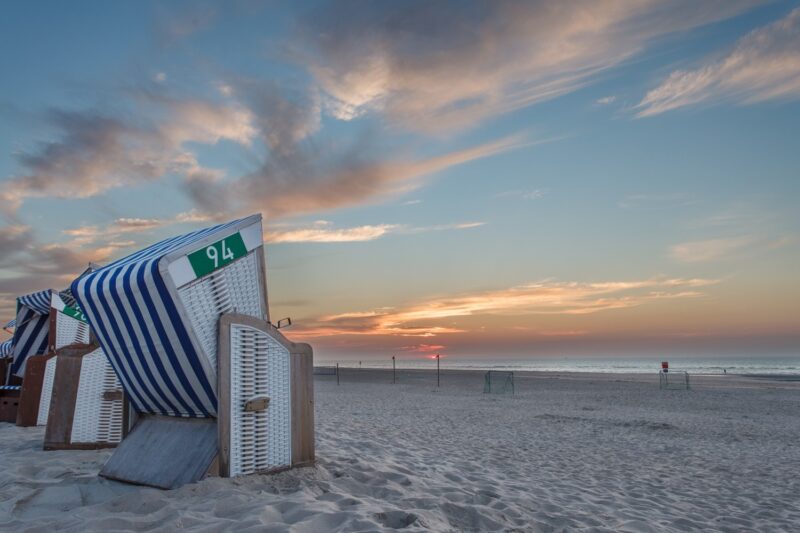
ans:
x=567 y=452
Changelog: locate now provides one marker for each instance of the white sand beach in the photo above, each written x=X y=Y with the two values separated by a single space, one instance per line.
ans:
x=595 y=452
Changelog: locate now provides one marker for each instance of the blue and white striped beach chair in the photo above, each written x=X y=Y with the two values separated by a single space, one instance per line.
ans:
x=156 y=314
x=32 y=328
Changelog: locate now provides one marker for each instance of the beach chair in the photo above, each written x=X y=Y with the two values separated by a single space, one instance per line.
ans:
x=87 y=408
x=31 y=329
x=9 y=396
x=67 y=326
x=156 y=314
x=29 y=338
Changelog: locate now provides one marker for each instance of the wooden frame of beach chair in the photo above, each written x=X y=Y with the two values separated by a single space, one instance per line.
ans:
x=36 y=390
x=156 y=314
x=9 y=403
x=266 y=398
x=88 y=409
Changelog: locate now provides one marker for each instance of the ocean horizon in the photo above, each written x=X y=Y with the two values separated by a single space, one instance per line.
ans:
x=638 y=365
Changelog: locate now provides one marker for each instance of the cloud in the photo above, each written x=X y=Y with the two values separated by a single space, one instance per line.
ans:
x=436 y=317
x=35 y=266
x=96 y=152
x=303 y=178
x=605 y=100
x=13 y=240
x=656 y=201
x=328 y=235
x=323 y=232
x=724 y=248
x=764 y=65
x=445 y=66
x=533 y=194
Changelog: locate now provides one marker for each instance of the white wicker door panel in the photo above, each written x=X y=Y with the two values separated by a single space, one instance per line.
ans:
x=70 y=331
x=260 y=366
x=47 y=391
x=233 y=288
x=97 y=419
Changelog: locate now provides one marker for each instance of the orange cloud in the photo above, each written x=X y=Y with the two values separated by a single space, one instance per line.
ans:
x=435 y=317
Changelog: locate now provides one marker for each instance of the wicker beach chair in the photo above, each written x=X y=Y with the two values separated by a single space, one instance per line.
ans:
x=29 y=338
x=31 y=329
x=87 y=409
x=156 y=315
x=67 y=326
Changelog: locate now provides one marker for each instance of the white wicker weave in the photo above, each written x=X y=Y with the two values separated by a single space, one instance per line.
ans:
x=97 y=419
x=260 y=366
x=235 y=287
x=47 y=391
x=70 y=331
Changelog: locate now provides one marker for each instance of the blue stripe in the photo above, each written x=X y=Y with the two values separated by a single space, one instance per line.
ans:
x=140 y=320
x=183 y=338
x=11 y=323
x=6 y=348
x=38 y=301
x=99 y=329
x=171 y=355
x=32 y=325
x=133 y=378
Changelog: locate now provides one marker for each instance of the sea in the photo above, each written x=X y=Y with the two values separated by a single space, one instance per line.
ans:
x=784 y=365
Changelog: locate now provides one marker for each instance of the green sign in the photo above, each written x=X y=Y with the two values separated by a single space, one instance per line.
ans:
x=217 y=255
x=75 y=313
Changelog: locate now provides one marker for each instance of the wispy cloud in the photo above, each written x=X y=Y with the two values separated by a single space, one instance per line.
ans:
x=480 y=61
x=728 y=247
x=90 y=234
x=656 y=201
x=605 y=100
x=301 y=179
x=764 y=65
x=528 y=194
x=709 y=249
x=435 y=317
x=97 y=151
x=323 y=232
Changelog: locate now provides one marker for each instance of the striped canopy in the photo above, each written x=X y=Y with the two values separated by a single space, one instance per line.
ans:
x=133 y=308
x=5 y=348
x=32 y=328
x=37 y=301
x=10 y=324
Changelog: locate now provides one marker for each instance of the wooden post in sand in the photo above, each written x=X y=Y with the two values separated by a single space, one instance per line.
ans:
x=437 y=369
x=394 y=375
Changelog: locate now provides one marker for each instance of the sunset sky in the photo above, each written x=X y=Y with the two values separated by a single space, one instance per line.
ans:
x=494 y=179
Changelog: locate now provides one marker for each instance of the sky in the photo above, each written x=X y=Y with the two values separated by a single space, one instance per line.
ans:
x=476 y=179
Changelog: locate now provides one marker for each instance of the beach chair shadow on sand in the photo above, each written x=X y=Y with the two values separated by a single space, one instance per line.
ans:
x=216 y=387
